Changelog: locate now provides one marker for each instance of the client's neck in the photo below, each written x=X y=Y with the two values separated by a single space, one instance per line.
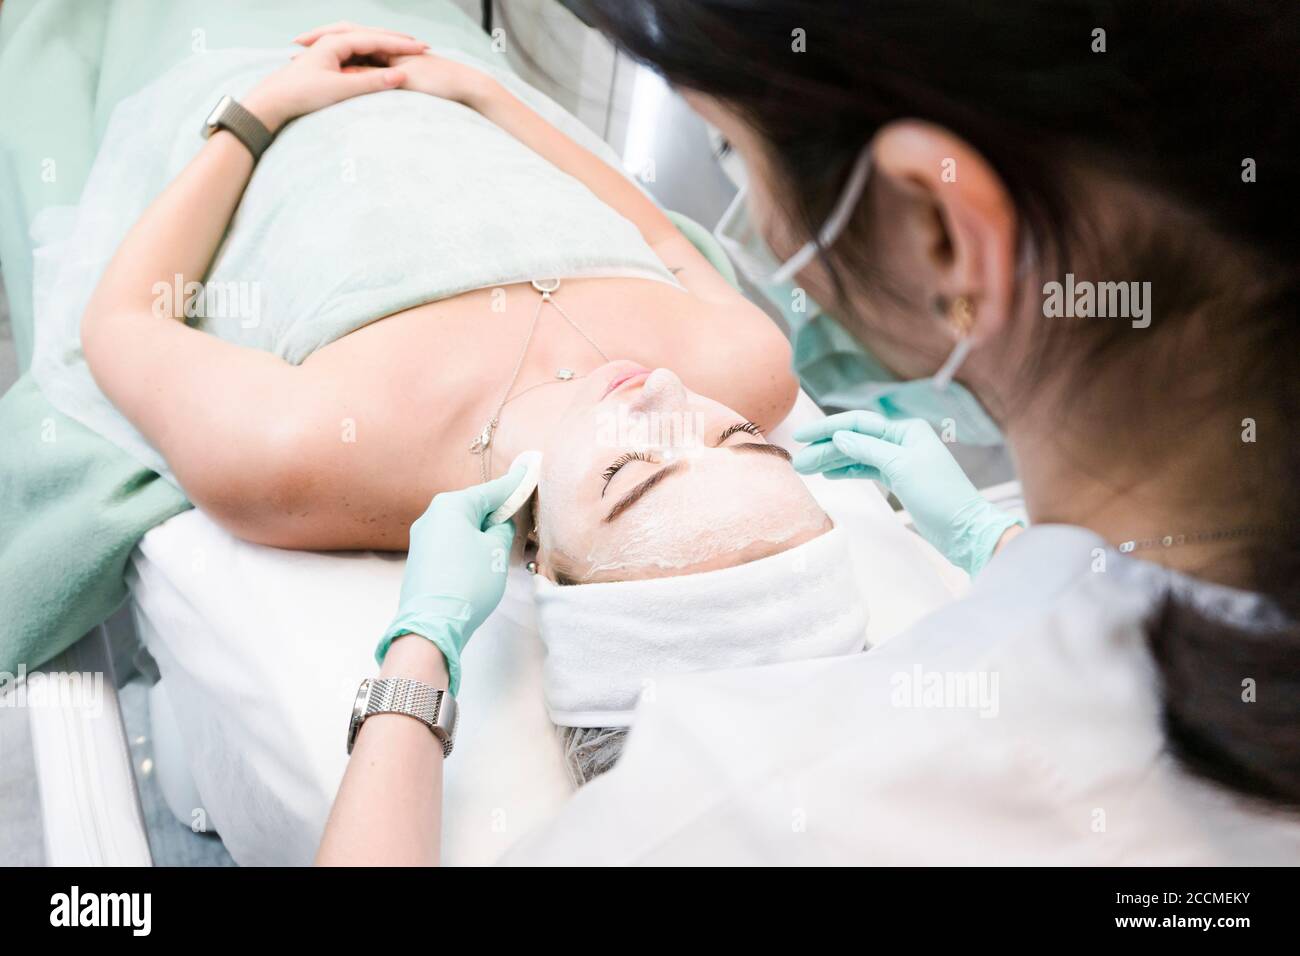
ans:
x=526 y=422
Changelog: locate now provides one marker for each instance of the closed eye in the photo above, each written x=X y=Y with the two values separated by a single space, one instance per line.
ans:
x=761 y=447
x=617 y=464
x=748 y=427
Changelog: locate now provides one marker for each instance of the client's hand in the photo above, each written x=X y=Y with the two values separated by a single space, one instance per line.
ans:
x=423 y=72
x=335 y=68
x=909 y=459
x=456 y=571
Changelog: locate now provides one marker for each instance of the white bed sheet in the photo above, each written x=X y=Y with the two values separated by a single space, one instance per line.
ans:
x=261 y=651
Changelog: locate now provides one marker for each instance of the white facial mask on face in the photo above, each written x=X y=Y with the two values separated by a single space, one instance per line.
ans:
x=702 y=515
x=693 y=518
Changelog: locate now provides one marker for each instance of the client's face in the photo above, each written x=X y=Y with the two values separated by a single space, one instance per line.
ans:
x=643 y=478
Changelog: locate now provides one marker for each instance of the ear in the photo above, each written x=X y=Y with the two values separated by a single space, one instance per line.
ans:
x=961 y=215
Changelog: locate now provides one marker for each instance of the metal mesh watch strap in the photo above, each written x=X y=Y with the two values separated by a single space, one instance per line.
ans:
x=434 y=708
x=246 y=127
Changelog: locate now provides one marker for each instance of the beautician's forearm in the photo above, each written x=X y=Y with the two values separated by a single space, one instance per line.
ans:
x=389 y=807
x=499 y=105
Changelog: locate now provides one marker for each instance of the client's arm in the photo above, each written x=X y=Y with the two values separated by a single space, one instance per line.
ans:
x=608 y=184
x=214 y=410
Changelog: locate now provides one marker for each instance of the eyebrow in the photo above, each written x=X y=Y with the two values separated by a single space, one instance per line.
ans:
x=637 y=493
x=763 y=448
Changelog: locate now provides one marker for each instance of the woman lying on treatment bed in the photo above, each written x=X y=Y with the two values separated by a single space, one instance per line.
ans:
x=257 y=442
x=643 y=477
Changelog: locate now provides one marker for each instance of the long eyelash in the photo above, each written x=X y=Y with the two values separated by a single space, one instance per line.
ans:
x=619 y=462
x=730 y=430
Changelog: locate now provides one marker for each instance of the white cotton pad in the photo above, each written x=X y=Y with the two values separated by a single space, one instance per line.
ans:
x=532 y=462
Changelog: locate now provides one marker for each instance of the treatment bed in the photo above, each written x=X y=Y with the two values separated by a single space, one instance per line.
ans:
x=261 y=651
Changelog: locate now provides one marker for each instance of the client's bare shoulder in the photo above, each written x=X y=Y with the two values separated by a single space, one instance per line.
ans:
x=728 y=348
x=741 y=358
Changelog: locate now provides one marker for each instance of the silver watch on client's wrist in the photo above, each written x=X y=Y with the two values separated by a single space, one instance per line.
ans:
x=431 y=706
x=242 y=124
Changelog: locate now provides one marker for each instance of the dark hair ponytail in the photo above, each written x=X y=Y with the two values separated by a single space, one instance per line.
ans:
x=1184 y=98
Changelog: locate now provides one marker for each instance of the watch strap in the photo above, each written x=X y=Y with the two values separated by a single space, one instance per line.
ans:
x=243 y=125
x=432 y=706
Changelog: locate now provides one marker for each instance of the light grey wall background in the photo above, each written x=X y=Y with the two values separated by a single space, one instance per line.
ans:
x=8 y=353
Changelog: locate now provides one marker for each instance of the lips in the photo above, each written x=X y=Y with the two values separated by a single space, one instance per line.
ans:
x=622 y=378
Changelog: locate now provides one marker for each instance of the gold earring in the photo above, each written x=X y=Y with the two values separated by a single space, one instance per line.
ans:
x=961 y=315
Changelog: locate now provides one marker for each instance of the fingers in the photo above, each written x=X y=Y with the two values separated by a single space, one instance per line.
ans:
x=864 y=423
x=476 y=502
x=481 y=500
x=852 y=471
x=847 y=454
x=869 y=423
x=876 y=453
x=369 y=79
x=820 y=457
x=342 y=26
x=502 y=535
x=342 y=47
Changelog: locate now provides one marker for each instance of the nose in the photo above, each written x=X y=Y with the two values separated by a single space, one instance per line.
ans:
x=662 y=390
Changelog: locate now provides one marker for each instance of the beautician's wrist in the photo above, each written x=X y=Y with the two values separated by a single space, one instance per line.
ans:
x=417 y=658
x=1013 y=531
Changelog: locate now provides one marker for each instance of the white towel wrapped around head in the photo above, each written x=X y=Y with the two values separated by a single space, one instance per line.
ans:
x=604 y=642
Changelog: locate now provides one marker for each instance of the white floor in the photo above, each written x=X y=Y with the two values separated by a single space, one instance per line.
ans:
x=171 y=843
x=21 y=835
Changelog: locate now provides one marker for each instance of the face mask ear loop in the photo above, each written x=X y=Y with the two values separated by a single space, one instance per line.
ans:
x=963 y=320
x=943 y=378
x=948 y=371
x=834 y=224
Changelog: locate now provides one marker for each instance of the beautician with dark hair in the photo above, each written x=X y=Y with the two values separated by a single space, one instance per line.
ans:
x=980 y=183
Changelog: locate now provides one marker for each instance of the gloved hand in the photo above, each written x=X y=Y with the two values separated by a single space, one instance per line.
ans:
x=455 y=571
x=909 y=459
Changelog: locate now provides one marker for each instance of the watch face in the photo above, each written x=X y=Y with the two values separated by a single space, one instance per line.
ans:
x=214 y=118
x=358 y=712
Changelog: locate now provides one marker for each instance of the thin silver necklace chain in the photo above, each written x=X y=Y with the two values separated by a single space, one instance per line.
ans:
x=482 y=445
x=1197 y=537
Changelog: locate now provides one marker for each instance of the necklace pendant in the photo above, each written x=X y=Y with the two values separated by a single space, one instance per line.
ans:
x=479 y=445
x=564 y=374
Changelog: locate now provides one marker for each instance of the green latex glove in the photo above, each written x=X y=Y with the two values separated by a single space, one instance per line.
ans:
x=909 y=459
x=455 y=571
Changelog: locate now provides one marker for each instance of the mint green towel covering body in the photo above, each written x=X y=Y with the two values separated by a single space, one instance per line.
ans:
x=360 y=210
x=72 y=504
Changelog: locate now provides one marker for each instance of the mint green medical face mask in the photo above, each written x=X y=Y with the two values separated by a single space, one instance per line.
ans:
x=837 y=371
x=834 y=367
